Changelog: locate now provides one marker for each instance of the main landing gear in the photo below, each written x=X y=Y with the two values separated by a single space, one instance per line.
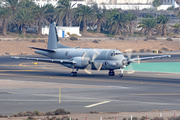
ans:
x=111 y=73
x=74 y=73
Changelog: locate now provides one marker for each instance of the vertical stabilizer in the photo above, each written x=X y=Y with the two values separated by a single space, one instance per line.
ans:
x=52 y=38
x=53 y=41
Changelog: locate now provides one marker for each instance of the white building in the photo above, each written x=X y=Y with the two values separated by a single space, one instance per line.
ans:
x=62 y=31
x=111 y=4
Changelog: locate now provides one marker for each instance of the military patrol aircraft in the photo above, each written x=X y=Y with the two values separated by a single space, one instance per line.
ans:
x=87 y=59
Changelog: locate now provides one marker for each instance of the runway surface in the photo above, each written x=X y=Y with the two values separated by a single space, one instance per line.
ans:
x=25 y=86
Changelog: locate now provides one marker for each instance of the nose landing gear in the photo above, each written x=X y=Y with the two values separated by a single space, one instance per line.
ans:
x=121 y=73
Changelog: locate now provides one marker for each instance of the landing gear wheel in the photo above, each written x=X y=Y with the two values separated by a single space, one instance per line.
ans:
x=73 y=73
x=111 y=73
x=120 y=75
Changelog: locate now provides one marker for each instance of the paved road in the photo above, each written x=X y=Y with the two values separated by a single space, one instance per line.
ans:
x=141 y=91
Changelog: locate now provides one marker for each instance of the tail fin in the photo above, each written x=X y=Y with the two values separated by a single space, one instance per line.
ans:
x=53 y=41
x=52 y=38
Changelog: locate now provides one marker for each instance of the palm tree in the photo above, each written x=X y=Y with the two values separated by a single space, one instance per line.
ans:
x=99 y=20
x=83 y=14
x=49 y=11
x=131 y=17
x=5 y=15
x=40 y=17
x=176 y=28
x=63 y=11
x=156 y=3
x=26 y=4
x=147 y=25
x=22 y=18
x=162 y=20
x=116 y=21
x=12 y=4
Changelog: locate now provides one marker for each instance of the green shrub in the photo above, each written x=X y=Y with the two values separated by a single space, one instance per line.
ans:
x=73 y=38
x=30 y=118
x=134 y=118
x=34 y=41
x=170 y=8
x=121 y=38
x=143 y=118
x=20 y=114
x=50 y=113
x=36 y=113
x=169 y=39
x=61 y=112
x=3 y=116
x=65 y=118
x=95 y=41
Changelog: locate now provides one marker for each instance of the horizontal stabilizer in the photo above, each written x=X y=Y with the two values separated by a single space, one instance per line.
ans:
x=47 y=50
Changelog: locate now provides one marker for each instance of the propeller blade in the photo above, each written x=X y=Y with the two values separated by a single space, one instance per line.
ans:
x=95 y=54
x=98 y=65
x=85 y=55
x=88 y=69
x=138 y=59
x=130 y=69
x=128 y=52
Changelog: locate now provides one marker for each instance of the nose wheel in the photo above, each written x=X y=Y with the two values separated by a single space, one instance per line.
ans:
x=111 y=73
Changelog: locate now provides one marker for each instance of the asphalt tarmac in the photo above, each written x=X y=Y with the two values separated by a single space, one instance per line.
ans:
x=47 y=87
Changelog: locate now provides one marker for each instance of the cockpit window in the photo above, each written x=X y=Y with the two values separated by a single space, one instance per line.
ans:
x=114 y=54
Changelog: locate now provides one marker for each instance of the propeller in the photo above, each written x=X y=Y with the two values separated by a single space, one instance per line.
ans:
x=91 y=61
x=130 y=67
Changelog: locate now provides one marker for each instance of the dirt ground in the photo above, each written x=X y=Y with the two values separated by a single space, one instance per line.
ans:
x=109 y=116
x=16 y=46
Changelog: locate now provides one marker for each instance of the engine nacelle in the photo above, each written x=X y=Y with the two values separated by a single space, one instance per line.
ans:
x=81 y=61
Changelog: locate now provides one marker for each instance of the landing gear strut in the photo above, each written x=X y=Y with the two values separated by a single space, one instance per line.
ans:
x=111 y=73
x=121 y=73
x=74 y=73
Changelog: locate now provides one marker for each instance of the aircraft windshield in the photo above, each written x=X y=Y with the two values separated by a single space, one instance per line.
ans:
x=116 y=54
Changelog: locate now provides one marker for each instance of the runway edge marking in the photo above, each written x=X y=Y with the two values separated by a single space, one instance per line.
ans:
x=100 y=103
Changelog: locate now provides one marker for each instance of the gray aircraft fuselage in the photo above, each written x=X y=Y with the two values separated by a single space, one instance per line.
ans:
x=110 y=58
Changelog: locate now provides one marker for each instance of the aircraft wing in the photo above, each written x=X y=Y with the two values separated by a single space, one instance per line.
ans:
x=148 y=58
x=46 y=60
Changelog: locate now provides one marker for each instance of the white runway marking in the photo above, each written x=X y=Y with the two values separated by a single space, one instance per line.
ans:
x=100 y=103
